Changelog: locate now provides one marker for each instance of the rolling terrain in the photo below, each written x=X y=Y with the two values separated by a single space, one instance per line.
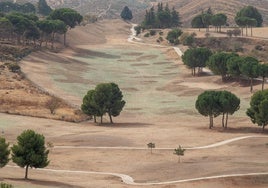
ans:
x=187 y=8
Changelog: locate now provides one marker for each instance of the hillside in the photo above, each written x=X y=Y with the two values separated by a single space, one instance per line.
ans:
x=187 y=8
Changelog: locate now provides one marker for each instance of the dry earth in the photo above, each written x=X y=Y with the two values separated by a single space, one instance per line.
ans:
x=135 y=129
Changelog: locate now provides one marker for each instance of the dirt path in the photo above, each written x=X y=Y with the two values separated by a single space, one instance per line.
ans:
x=130 y=181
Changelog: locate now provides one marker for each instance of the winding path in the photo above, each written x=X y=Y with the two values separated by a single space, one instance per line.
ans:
x=130 y=181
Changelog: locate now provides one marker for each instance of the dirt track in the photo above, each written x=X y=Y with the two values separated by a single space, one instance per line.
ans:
x=136 y=130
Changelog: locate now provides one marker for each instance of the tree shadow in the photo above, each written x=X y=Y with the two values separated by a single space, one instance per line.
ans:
x=43 y=182
x=123 y=125
x=256 y=130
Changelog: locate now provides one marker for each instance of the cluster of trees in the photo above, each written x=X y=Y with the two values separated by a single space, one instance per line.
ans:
x=30 y=151
x=248 y=16
x=228 y=65
x=173 y=36
x=28 y=27
x=162 y=18
x=6 y=7
x=196 y=58
x=214 y=103
x=42 y=7
x=105 y=98
x=205 y=19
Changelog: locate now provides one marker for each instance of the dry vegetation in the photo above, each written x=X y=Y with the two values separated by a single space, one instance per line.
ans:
x=132 y=129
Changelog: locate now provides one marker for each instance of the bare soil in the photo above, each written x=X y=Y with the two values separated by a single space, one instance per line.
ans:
x=135 y=129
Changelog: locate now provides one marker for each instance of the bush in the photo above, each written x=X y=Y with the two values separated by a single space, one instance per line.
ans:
x=13 y=67
x=5 y=185
x=147 y=35
x=152 y=32
x=161 y=33
x=138 y=29
x=173 y=35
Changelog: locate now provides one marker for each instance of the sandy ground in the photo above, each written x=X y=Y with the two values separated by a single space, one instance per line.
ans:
x=136 y=130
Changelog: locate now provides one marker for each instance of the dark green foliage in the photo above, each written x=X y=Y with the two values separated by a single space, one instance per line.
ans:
x=250 y=69
x=179 y=152
x=218 y=20
x=138 y=29
x=5 y=185
x=218 y=63
x=90 y=107
x=250 y=12
x=43 y=8
x=30 y=151
x=4 y=152
x=196 y=58
x=152 y=32
x=14 y=67
x=146 y=34
x=233 y=66
x=207 y=105
x=173 y=35
x=197 y=22
x=258 y=111
x=228 y=103
x=7 y=7
x=106 y=98
x=214 y=103
x=69 y=16
x=162 y=18
x=263 y=72
x=126 y=13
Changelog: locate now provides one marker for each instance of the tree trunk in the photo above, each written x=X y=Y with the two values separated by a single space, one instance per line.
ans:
x=222 y=120
x=26 y=172
x=251 y=85
x=111 y=120
x=226 y=120
x=263 y=127
x=64 y=39
x=251 y=31
x=246 y=30
x=210 y=121
x=52 y=40
x=101 y=119
x=263 y=80
x=95 y=121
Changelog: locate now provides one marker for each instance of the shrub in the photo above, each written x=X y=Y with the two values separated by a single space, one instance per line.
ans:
x=152 y=32
x=173 y=36
x=138 y=29
x=52 y=104
x=5 y=185
x=146 y=34
x=161 y=33
x=13 y=67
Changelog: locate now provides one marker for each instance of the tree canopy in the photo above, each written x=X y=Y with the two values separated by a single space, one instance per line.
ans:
x=162 y=18
x=258 y=110
x=250 y=12
x=218 y=63
x=69 y=16
x=30 y=151
x=106 y=98
x=214 y=103
x=4 y=152
x=43 y=8
x=126 y=13
x=207 y=105
x=196 y=58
